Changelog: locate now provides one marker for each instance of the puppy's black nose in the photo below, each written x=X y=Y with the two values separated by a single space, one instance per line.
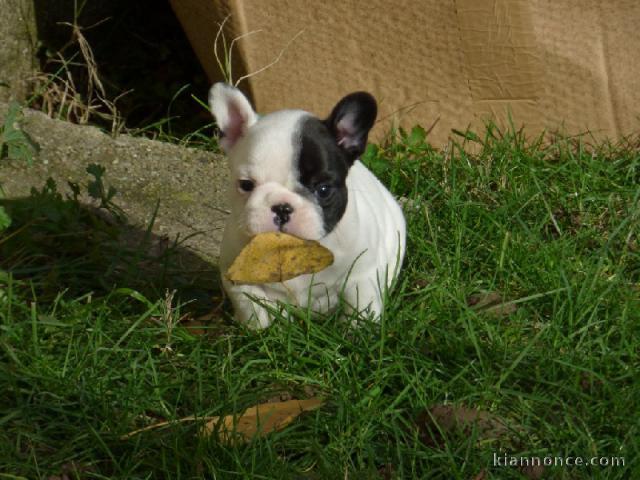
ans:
x=283 y=213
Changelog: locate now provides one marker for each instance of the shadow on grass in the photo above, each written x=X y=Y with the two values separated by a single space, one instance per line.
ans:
x=58 y=243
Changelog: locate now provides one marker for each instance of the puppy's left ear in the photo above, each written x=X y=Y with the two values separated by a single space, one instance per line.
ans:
x=232 y=111
x=350 y=122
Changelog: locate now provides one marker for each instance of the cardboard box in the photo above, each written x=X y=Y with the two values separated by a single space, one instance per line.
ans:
x=572 y=65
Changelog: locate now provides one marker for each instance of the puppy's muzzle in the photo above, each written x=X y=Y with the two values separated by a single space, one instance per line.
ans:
x=283 y=213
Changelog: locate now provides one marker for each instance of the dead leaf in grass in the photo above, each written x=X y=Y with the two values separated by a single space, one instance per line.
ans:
x=502 y=310
x=491 y=303
x=278 y=397
x=387 y=471
x=483 y=300
x=440 y=422
x=71 y=471
x=195 y=326
x=255 y=421
x=259 y=420
x=533 y=472
x=208 y=324
x=589 y=382
x=435 y=423
x=481 y=476
x=275 y=257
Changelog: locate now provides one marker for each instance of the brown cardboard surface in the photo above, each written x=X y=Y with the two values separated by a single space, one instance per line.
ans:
x=570 y=64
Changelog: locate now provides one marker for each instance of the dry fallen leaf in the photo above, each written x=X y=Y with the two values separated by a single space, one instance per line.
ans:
x=441 y=423
x=387 y=471
x=440 y=420
x=211 y=323
x=533 y=472
x=259 y=420
x=481 y=476
x=255 y=421
x=492 y=304
x=275 y=257
x=483 y=300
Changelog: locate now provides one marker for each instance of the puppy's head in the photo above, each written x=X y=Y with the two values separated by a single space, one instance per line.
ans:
x=289 y=168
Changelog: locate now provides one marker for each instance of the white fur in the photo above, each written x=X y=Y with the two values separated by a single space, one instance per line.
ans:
x=368 y=243
x=233 y=113
x=264 y=156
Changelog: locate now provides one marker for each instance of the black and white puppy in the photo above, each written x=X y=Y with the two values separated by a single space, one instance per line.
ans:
x=294 y=173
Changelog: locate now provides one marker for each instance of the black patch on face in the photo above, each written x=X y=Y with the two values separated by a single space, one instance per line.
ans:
x=323 y=168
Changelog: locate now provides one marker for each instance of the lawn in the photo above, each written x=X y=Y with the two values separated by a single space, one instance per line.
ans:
x=513 y=330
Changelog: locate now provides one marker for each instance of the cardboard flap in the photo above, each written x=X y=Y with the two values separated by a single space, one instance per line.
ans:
x=561 y=64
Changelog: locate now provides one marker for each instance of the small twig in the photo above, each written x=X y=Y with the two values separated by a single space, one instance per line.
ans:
x=220 y=33
x=276 y=60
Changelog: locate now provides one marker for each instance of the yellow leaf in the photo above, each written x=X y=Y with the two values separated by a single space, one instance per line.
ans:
x=275 y=257
x=259 y=420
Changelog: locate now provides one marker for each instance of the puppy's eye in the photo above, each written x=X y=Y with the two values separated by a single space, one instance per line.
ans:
x=246 y=185
x=324 y=191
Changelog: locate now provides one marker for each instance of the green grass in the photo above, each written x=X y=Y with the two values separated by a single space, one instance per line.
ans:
x=549 y=227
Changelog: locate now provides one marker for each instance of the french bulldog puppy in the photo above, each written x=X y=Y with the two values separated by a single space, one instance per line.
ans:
x=294 y=173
